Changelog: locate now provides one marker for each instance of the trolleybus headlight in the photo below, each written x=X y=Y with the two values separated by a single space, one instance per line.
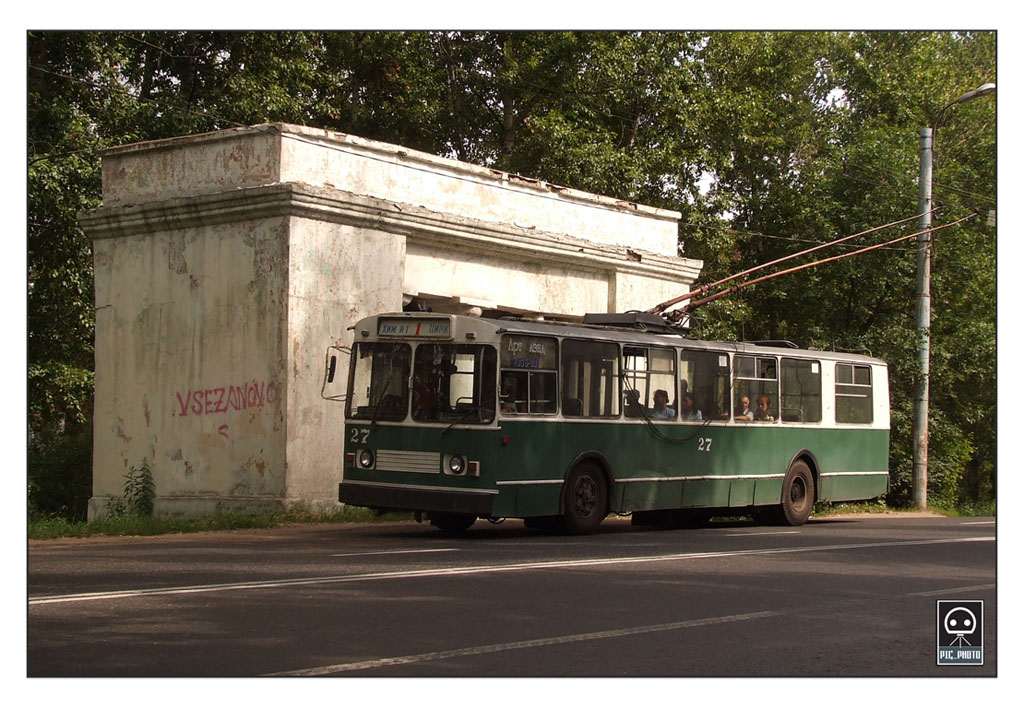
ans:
x=365 y=458
x=456 y=464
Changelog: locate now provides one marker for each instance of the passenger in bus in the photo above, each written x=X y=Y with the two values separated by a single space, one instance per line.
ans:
x=572 y=406
x=661 y=410
x=763 y=402
x=744 y=407
x=690 y=410
x=508 y=397
x=634 y=409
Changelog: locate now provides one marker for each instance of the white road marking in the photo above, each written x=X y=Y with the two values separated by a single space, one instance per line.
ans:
x=978 y=523
x=476 y=570
x=763 y=533
x=393 y=553
x=528 y=644
x=954 y=591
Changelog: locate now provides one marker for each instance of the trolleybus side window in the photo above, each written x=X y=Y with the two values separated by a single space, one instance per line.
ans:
x=590 y=379
x=756 y=379
x=801 y=391
x=529 y=374
x=854 y=399
x=379 y=381
x=705 y=376
x=454 y=383
x=647 y=371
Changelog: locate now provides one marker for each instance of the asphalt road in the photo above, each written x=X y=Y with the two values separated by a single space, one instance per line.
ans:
x=850 y=596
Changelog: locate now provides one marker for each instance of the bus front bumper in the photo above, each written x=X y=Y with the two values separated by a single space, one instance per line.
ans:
x=389 y=497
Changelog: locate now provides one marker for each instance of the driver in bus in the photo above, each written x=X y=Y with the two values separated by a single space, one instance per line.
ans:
x=424 y=393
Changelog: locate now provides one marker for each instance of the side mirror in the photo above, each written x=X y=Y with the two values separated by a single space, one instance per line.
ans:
x=332 y=367
x=331 y=373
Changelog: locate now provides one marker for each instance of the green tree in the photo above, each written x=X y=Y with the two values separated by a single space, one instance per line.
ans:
x=817 y=137
x=765 y=141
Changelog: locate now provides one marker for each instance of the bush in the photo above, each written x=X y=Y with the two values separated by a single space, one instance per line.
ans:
x=139 y=490
x=60 y=474
x=136 y=500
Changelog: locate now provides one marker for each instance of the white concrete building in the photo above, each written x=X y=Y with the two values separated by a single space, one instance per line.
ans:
x=227 y=263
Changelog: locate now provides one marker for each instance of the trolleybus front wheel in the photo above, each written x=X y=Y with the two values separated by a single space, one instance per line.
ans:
x=797 y=495
x=585 y=500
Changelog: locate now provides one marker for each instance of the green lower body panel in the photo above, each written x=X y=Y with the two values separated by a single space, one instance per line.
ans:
x=852 y=486
x=520 y=465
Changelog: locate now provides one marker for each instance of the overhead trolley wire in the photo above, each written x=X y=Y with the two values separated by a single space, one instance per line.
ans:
x=677 y=315
x=794 y=239
x=658 y=309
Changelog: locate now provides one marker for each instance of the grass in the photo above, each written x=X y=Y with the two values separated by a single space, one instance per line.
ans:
x=876 y=506
x=872 y=506
x=980 y=508
x=131 y=525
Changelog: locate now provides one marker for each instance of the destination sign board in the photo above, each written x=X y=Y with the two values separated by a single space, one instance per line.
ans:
x=425 y=328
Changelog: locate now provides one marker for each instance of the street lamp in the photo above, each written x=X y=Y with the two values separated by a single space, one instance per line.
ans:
x=924 y=307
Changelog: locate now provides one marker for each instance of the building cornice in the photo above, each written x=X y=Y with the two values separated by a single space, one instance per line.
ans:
x=419 y=225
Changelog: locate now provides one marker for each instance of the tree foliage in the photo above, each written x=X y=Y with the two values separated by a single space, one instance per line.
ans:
x=764 y=141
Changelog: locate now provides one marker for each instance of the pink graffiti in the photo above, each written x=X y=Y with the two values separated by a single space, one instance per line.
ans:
x=223 y=399
x=223 y=430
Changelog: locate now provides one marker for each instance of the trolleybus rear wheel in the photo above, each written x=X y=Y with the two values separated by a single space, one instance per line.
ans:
x=585 y=499
x=797 y=495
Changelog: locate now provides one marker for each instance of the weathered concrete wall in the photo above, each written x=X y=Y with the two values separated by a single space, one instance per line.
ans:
x=553 y=274
x=227 y=263
x=190 y=362
x=188 y=167
x=337 y=273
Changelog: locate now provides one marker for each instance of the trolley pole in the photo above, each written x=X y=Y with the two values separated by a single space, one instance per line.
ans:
x=924 y=304
x=923 y=321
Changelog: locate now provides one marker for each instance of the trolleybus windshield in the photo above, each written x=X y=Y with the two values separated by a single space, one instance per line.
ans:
x=450 y=382
x=454 y=383
x=378 y=381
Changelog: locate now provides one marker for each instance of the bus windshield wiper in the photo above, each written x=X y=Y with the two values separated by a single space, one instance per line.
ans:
x=376 y=408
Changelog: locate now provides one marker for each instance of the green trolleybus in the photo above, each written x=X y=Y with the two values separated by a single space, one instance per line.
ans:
x=459 y=418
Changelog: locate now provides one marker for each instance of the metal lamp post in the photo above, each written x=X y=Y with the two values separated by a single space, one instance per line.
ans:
x=924 y=309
